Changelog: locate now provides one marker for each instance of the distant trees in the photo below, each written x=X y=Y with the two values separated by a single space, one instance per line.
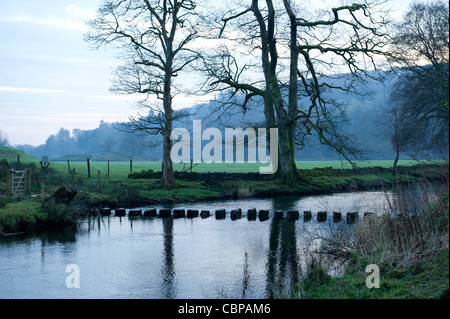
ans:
x=3 y=139
x=60 y=142
x=421 y=94
x=108 y=144
x=106 y=139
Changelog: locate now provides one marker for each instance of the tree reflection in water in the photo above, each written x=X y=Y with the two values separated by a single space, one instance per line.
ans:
x=168 y=284
x=282 y=261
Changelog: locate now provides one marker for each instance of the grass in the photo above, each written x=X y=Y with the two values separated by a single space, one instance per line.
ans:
x=152 y=191
x=427 y=280
x=119 y=170
x=413 y=256
x=26 y=215
x=119 y=190
x=16 y=217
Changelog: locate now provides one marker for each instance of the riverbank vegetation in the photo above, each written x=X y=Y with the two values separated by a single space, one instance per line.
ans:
x=19 y=216
x=31 y=215
x=410 y=246
x=145 y=187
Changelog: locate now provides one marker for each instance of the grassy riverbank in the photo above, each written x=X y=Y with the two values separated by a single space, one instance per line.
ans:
x=30 y=214
x=144 y=188
x=20 y=216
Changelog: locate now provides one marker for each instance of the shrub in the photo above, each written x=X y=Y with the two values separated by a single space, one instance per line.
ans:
x=59 y=214
x=144 y=174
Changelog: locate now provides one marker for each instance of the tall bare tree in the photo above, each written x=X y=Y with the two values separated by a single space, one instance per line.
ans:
x=155 y=38
x=283 y=37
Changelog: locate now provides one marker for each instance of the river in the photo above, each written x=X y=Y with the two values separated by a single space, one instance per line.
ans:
x=134 y=258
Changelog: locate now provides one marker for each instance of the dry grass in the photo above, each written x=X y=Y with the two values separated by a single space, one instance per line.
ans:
x=244 y=192
x=414 y=230
x=407 y=235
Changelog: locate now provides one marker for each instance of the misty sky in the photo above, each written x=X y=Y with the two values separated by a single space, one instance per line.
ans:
x=50 y=78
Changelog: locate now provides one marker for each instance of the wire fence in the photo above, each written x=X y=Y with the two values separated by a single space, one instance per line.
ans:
x=45 y=177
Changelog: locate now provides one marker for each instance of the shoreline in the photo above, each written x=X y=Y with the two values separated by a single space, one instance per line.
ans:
x=136 y=192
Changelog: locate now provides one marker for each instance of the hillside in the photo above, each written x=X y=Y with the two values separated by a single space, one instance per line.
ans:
x=11 y=154
x=109 y=140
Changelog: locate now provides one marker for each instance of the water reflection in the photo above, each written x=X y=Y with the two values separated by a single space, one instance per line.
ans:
x=63 y=235
x=282 y=257
x=167 y=258
x=168 y=284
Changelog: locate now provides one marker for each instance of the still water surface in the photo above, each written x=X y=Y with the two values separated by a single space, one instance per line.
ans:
x=174 y=258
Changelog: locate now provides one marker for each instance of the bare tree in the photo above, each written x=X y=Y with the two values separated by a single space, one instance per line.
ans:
x=401 y=130
x=154 y=37
x=421 y=51
x=284 y=38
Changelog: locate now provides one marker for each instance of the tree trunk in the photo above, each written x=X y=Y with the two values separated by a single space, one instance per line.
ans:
x=168 y=176
x=287 y=168
x=397 y=157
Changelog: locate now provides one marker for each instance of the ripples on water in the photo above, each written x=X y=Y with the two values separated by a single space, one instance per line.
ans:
x=175 y=258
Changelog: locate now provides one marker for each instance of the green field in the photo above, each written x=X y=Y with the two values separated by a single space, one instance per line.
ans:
x=119 y=170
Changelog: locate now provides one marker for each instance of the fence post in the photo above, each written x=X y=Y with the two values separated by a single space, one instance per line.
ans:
x=108 y=169
x=42 y=190
x=28 y=185
x=131 y=166
x=89 y=168
x=68 y=165
x=73 y=176
x=8 y=183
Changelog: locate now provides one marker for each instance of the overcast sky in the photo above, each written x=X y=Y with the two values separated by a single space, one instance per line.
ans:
x=50 y=78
